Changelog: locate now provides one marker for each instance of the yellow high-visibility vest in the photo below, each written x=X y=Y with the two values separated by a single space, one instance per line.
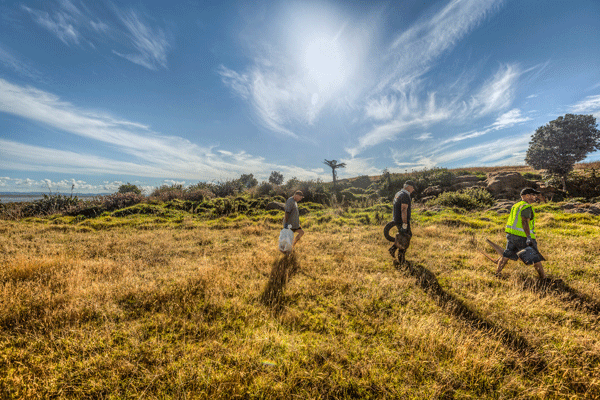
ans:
x=514 y=224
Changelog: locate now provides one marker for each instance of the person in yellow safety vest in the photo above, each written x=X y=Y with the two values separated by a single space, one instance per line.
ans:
x=520 y=230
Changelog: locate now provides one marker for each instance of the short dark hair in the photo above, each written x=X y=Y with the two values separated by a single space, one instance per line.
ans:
x=299 y=193
x=410 y=183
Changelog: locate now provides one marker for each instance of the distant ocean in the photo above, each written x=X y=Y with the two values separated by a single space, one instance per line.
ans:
x=28 y=197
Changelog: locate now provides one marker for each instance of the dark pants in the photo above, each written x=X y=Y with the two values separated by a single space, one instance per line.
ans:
x=514 y=244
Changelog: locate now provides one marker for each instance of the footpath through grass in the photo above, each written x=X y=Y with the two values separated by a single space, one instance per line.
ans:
x=173 y=306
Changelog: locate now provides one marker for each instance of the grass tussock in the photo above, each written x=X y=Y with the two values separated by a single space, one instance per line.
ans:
x=142 y=305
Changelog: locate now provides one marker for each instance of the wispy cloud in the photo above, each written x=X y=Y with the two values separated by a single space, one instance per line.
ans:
x=8 y=60
x=506 y=150
x=506 y=120
x=151 y=154
x=414 y=51
x=424 y=136
x=60 y=23
x=151 y=44
x=383 y=108
x=590 y=104
x=510 y=118
x=145 y=45
x=498 y=93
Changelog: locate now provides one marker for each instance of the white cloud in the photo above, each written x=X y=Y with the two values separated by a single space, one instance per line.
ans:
x=506 y=120
x=99 y=26
x=381 y=109
x=145 y=45
x=590 y=104
x=414 y=50
x=10 y=61
x=424 y=136
x=497 y=93
x=509 y=150
x=510 y=118
x=149 y=153
x=151 y=44
x=357 y=167
x=60 y=23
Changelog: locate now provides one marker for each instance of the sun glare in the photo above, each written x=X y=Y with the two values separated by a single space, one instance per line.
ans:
x=325 y=63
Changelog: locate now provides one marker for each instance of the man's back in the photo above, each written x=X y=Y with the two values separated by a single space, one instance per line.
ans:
x=402 y=197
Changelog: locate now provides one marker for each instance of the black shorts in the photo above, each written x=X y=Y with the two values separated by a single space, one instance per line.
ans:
x=296 y=229
x=514 y=244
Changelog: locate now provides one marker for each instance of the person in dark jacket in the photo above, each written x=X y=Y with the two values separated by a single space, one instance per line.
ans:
x=401 y=212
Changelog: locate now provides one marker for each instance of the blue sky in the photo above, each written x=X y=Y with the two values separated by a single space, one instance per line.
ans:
x=99 y=93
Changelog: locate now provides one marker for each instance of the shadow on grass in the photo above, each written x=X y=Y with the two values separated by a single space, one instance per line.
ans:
x=566 y=293
x=429 y=283
x=282 y=271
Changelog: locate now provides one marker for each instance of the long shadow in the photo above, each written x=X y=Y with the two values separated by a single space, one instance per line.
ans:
x=569 y=295
x=429 y=283
x=282 y=271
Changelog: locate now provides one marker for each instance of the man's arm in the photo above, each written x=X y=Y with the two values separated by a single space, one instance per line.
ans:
x=525 y=222
x=404 y=212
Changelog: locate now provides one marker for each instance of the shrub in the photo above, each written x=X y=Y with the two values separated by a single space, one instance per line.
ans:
x=226 y=188
x=120 y=200
x=468 y=199
x=361 y=182
x=165 y=193
x=50 y=204
x=348 y=195
x=198 y=194
x=264 y=189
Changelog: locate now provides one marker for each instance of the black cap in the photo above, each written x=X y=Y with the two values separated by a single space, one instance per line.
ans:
x=529 y=190
x=411 y=183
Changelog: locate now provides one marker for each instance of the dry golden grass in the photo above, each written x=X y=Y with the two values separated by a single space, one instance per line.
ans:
x=142 y=308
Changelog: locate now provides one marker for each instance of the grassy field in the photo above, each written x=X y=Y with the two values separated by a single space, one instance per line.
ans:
x=174 y=306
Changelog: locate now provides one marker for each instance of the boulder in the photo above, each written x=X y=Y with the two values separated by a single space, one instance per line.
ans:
x=464 y=178
x=507 y=184
x=574 y=208
x=432 y=191
x=467 y=184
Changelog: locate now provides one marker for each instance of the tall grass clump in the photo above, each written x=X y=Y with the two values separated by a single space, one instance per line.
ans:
x=50 y=204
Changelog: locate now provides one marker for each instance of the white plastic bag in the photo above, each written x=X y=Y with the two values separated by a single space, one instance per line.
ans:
x=286 y=238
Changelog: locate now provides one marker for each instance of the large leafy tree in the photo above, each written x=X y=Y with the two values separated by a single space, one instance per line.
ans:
x=561 y=143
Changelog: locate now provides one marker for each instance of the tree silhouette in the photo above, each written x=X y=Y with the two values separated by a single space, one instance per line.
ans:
x=334 y=165
x=559 y=144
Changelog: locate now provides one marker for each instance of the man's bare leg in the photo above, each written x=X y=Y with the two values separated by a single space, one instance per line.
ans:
x=299 y=232
x=540 y=270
